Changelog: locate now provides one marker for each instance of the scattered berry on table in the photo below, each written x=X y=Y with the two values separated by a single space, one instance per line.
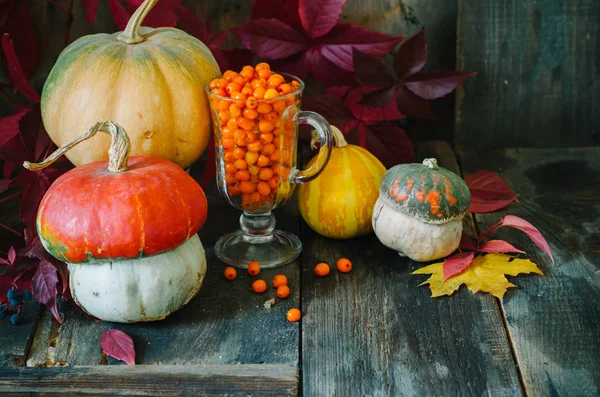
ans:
x=283 y=291
x=293 y=315
x=14 y=319
x=279 y=280
x=253 y=268
x=259 y=286
x=27 y=296
x=344 y=265
x=322 y=269
x=12 y=294
x=230 y=273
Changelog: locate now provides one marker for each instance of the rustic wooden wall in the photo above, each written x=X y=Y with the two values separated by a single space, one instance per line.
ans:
x=539 y=73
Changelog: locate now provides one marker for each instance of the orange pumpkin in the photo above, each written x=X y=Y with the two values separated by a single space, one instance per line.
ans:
x=150 y=81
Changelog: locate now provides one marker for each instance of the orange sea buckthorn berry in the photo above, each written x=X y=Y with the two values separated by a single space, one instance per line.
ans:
x=240 y=164
x=259 y=286
x=344 y=265
x=275 y=80
x=230 y=168
x=265 y=174
x=266 y=137
x=228 y=143
x=240 y=142
x=221 y=83
x=263 y=161
x=240 y=99
x=263 y=188
x=279 y=106
x=230 y=179
x=253 y=268
x=241 y=81
x=275 y=156
x=276 y=139
x=251 y=103
x=230 y=273
x=259 y=92
x=264 y=108
x=229 y=75
x=264 y=74
x=262 y=65
x=254 y=170
x=293 y=315
x=250 y=113
x=279 y=280
x=254 y=179
x=284 y=89
x=247 y=90
x=271 y=93
x=234 y=190
x=272 y=116
x=322 y=269
x=258 y=83
x=247 y=124
x=251 y=158
x=247 y=187
x=283 y=291
x=227 y=132
x=232 y=87
x=234 y=110
x=247 y=73
x=254 y=197
x=219 y=91
x=255 y=146
x=228 y=156
x=265 y=125
x=232 y=123
x=213 y=84
x=239 y=134
x=268 y=149
x=273 y=183
x=242 y=175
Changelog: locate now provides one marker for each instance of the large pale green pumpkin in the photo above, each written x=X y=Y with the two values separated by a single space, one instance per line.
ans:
x=150 y=81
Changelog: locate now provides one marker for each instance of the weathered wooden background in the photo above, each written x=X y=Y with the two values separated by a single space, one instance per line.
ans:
x=538 y=82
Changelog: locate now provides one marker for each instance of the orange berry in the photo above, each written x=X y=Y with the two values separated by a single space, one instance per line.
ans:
x=254 y=170
x=230 y=179
x=250 y=113
x=240 y=99
x=254 y=197
x=275 y=156
x=279 y=280
x=251 y=157
x=247 y=73
x=275 y=80
x=253 y=268
x=247 y=90
x=259 y=286
x=273 y=183
x=273 y=116
x=239 y=134
x=234 y=110
x=240 y=80
x=230 y=273
x=219 y=91
x=221 y=83
x=251 y=103
x=283 y=291
x=264 y=74
x=264 y=108
x=229 y=75
x=279 y=106
x=258 y=83
x=268 y=149
x=228 y=156
x=293 y=315
x=266 y=137
x=262 y=161
x=242 y=175
x=227 y=132
x=232 y=123
x=240 y=142
x=232 y=87
x=284 y=89
x=233 y=190
x=271 y=93
x=259 y=92
x=265 y=174
x=263 y=188
x=224 y=116
x=262 y=65
x=265 y=125
x=322 y=269
x=230 y=168
x=247 y=124
x=344 y=265
x=240 y=164
x=255 y=146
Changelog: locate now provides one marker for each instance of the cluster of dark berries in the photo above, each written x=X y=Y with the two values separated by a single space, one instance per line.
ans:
x=16 y=297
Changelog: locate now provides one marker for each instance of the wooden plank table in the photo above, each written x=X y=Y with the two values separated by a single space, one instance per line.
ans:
x=370 y=332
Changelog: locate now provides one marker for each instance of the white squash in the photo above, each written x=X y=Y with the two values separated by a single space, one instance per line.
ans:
x=143 y=289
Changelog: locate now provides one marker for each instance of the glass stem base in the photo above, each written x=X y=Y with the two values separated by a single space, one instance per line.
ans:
x=258 y=241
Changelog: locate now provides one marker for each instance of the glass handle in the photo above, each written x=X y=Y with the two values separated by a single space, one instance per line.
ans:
x=322 y=127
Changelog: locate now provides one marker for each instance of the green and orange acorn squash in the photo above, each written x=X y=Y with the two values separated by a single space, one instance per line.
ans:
x=420 y=209
x=150 y=81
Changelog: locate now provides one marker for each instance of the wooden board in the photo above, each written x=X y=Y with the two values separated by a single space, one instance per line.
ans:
x=374 y=331
x=539 y=78
x=171 y=380
x=226 y=323
x=554 y=320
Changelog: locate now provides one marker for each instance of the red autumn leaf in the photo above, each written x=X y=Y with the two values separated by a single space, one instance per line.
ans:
x=432 y=85
x=318 y=17
x=498 y=246
x=413 y=106
x=488 y=185
x=366 y=114
x=16 y=71
x=44 y=284
x=390 y=144
x=370 y=71
x=89 y=8
x=379 y=98
x=457 y=263
x=521 y=224
x=411 y=56
x=328 y=57
x=480 y=206
x=36 y=250
x=9 y=126
x=119 y=345
x=21 y=31
x=286 y=11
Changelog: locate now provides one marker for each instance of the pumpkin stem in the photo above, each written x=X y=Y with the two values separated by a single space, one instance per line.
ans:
x=131 y=34
x=431 y=163
x=117 y=153
x=338 y=137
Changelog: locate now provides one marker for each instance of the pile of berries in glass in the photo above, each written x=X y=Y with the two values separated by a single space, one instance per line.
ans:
x=255 y=115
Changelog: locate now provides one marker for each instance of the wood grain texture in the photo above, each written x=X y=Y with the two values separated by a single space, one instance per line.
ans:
x=226 y=323
x=539 y=73
x=164 y=380
x=375 y=332
x=554 y=320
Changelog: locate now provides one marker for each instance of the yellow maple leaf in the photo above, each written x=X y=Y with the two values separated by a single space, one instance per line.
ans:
x=486 y=273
